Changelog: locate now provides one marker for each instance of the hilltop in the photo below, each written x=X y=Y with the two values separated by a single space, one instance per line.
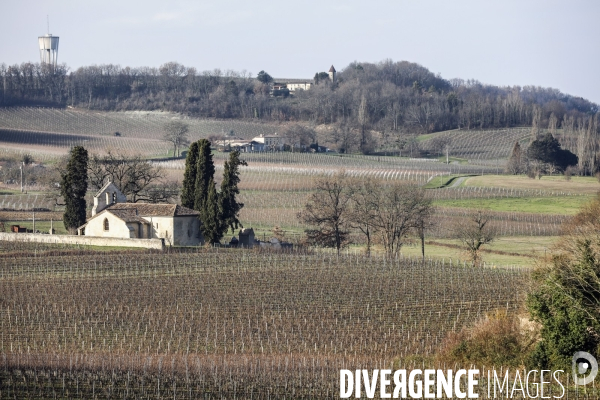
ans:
x=388 y=100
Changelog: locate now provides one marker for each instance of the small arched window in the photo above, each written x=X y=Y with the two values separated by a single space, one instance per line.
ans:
x=114 y=197
x=105 y=224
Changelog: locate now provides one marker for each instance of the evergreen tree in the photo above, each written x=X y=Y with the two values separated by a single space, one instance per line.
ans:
x=565 y=296
x=73 y=187
x=188 y=193
x=229 y=207
x=205 y=172
x=210 y=216
x=547 y=150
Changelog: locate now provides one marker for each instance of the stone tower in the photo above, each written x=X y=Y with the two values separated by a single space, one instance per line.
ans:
x=332 y=74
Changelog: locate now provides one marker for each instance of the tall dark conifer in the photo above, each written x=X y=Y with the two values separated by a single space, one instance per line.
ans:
x=229 y=207
x=74 y=184
x=210 y=216
x=205 y=172
x=188 y=192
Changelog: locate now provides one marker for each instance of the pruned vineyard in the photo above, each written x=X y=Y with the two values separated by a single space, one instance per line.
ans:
x=134 y=124
x=47 y=131
x=488 y=144
x=201 y=321
x=45 y=145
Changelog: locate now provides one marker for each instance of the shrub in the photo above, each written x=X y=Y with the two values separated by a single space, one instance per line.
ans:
x=495 y=340
x=565 y=298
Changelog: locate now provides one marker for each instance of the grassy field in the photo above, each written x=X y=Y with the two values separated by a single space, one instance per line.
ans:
x=544 y=205
x=42 y=226
x=577 y=184
x=516 y=250
x=441 y=181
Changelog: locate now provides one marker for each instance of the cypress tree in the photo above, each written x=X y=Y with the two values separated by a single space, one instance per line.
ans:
x=210 y=216
x=74 y=183
x=188 y=192
x=229 y=207
x=205 y=172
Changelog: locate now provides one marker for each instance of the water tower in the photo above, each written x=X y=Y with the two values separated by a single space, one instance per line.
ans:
x=48 y=48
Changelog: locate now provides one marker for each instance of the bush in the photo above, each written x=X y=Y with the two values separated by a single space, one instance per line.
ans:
x=495 y=340
x=565 y=298
x=569 y=172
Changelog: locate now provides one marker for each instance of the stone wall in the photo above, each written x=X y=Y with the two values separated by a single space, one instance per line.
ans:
x=83 y=240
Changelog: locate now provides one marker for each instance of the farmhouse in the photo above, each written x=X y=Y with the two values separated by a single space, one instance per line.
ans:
x=243 y=145
x=271 y=141
x=113 y=217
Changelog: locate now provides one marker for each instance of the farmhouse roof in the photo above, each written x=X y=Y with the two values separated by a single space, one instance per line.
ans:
x=153 y=210
x=332 y=69
x=282 y=81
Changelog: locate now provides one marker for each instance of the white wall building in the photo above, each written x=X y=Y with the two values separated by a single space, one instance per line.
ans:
x=292 y=87
x=275 y=141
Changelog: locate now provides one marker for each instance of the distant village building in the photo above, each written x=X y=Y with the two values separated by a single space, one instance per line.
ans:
x=293 y=85
x=241 y=145
x=113 y=217
x=274 y=141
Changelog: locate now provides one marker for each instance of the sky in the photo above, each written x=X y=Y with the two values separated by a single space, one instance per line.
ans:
x=500 y=42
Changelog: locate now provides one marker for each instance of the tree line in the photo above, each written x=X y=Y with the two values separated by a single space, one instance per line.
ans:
x=383 y=213
x=389 y=214
x=392 y=98
x=545 y=154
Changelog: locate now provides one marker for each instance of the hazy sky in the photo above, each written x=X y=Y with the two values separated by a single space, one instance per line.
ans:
x=543 y=43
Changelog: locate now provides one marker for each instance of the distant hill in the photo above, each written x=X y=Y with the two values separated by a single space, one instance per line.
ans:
x=369 y=105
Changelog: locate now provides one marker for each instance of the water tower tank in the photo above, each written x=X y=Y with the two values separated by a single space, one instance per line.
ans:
x=48 y=49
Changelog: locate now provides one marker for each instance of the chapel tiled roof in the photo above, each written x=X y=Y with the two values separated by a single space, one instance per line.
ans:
x=128 y=216
x=153 y=210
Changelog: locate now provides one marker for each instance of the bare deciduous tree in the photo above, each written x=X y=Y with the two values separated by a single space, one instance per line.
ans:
x=475 y=233
x=300 y=136
x=394 y=211
x=176 y=134
x=516 y=161
x=440 y=144
x=362 y=208
x=344 y=139
x=328 y=209
x=134 y=176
